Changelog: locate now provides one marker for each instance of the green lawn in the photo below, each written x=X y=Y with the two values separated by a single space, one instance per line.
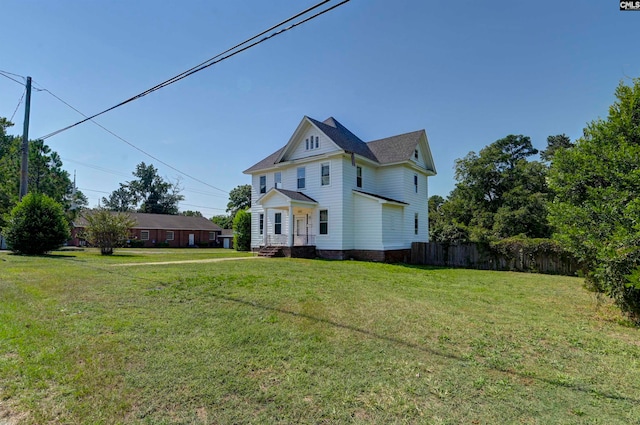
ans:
x=83 y=340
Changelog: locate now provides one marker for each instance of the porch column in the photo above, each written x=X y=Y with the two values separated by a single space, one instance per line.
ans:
x=290 y=236
x=264 y=226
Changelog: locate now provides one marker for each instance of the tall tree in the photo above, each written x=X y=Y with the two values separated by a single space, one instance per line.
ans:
x=597 y=207
x=222 y=220
x=499 y=193
x=46 y=175
x=239 y=199
x=554 y=144
x=121 y=200
x=148 y=193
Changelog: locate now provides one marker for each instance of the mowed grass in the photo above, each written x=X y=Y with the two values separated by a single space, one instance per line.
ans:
x=305 y=341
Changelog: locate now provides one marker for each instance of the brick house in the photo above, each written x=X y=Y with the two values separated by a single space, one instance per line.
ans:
x=176 y=230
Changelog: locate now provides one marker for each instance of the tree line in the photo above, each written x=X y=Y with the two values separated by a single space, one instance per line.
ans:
x=581 y=195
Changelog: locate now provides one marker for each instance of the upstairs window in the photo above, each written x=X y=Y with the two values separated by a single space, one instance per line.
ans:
x=359 y=176
x=415 y=154
x=301 y=177
x=277 y=180
x=325 y=177
x=317 y=142
x=263 y=184
x=415 y=224
x=415 y=182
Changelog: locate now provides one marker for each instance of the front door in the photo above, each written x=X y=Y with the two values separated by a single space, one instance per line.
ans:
x=192 y=240
x=301 y=227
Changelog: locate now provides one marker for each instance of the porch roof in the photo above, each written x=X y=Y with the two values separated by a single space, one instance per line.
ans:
x=284 y=198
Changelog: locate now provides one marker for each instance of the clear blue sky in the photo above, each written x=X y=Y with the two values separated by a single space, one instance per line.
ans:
x=467 y=72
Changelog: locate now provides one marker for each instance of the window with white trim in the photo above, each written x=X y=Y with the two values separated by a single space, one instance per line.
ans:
x=415 y=154
x=358 y=176
x=144 y=235
x=277 y=180
x=261 y=224
x=415 y=182
x=170 y=235
x=301 y=177
x=212 y=236
x=324 y=222
x=415 y=224
x=263 y=184
x=325 y=174
x=277 y=226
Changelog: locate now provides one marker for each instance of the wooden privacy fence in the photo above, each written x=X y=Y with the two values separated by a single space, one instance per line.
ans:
x=476 y=256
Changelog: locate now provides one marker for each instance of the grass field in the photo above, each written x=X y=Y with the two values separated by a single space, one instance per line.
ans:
x=83 y=340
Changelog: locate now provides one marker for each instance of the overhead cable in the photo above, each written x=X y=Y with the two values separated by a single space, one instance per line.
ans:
x=214 y=60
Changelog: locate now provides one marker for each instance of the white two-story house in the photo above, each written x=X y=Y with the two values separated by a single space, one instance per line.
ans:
x=327 y=193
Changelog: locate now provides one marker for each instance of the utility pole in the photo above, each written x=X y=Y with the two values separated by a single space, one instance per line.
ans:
x=24 y=167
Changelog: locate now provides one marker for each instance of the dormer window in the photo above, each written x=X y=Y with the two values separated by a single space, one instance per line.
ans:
x=415 y=154
x=312 y=142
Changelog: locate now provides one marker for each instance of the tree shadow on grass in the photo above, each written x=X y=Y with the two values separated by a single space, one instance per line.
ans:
x=576 y=387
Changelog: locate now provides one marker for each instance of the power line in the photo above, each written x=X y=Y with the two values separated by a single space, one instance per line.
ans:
x=17 y=106
x=214 y=60
x=132 y=145
x=4 y=74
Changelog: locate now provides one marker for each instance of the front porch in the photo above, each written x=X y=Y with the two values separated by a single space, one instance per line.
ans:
x=287 y=221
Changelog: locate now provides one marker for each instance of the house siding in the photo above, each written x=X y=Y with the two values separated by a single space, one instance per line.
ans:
x=359 y=225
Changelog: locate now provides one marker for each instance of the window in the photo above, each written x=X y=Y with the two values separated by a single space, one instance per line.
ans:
x=277 y=180
x=317 y=142
x=415 y=224
x=144 y=235
x=263 y=184
x=301 y=174
x=359 y=176
x=325 y=177
x=415 y=154
x=415 y=182
x=277 y=229
x=324 y=222
x=169 y=235
x=307 y=144
x=261 y=224
x=212 y=236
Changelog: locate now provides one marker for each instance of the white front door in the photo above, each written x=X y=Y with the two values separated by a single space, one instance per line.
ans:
x=301 y=227
x=192 y=240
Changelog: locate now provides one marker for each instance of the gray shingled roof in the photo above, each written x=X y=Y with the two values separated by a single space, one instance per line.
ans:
x=396 y=148
x=341 y=136
x=384 y=198
x=268 y=162
x=295 y=196
x=164 y=221
x=384 y=151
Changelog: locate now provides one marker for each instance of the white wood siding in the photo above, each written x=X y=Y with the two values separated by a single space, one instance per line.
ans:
x=367 y=223
x=300 y=151
x=418 y=203
x=392 y=227
x=390 y=182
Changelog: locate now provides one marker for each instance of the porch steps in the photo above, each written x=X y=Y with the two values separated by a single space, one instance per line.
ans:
x=270 y=251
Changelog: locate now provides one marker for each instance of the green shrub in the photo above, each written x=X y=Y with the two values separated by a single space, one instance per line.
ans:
x=162 y=245
x=136 y=243
x=36 y=225
x=242 y=231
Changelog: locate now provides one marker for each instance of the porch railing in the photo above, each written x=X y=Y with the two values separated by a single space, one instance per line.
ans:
x=283 y=240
